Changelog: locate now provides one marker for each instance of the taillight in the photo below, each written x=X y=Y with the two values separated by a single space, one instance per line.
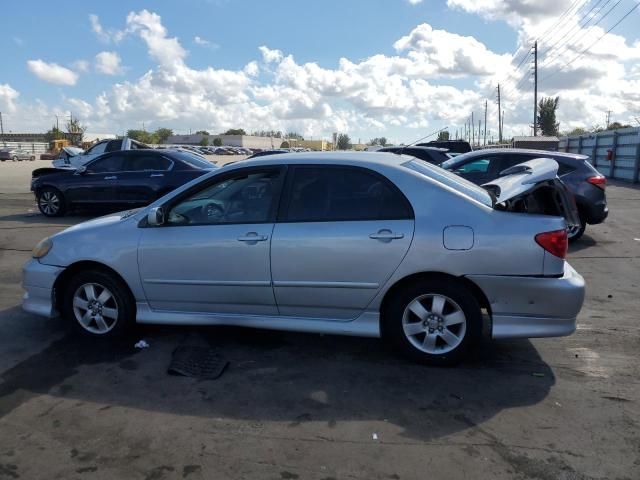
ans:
x=555 y=242
x=599 y=181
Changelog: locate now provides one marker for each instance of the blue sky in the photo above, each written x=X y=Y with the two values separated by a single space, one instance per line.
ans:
x=452 y=64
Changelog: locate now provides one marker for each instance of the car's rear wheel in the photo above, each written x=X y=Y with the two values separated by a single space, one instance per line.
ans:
x=51 y=202
x=15 y=159
x=576 y=231
x=97 y=304
x=32 y=158
x=433 y=321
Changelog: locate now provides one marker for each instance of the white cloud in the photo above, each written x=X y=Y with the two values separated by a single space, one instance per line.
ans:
x=18 y=41
x=269 y=55
x=103 y=34
x=414 y=2
x=81 y=65
x=108 y=63
x=205 y=43
x=148 y=25
x=52 y=72
x=8 y=97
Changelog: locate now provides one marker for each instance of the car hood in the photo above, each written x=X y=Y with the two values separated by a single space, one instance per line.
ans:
x=101 y=222
x=516 y=180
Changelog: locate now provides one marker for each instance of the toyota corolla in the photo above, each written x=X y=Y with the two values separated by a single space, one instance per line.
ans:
x=368 y=244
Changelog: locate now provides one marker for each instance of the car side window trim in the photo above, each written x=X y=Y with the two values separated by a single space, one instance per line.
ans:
x=287 y=193
x=273 y=208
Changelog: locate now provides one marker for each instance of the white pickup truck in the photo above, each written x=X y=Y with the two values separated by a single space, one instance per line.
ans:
x=98 y=149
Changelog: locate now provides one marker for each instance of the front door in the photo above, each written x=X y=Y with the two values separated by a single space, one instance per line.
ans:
x=212 y=253
x=341 y=233
x=97 y=184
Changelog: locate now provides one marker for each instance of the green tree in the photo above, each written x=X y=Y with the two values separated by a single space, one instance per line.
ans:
x=204 y=141
x=382 y=141
x=617 y=125
x=162 y=134
x=294 y=135
x=54 y=134
x=284 y=144
x=202 y=132
x=343 y=142
x=235 y=131
x=141 y=136
x=75 y=130
x=575 y=131
x=217 y=142
x=443 y=136
x=547 y=116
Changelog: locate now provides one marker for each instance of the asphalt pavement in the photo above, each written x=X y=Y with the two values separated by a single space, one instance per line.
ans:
x=301 y=406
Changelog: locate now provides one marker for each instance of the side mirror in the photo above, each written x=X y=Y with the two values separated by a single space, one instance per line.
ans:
x=155 y=217
x=81 y=170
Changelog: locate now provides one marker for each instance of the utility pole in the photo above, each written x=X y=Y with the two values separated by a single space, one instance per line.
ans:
x=1 y=126
x=608 y=118
x=479 y=130
x=502 y=127
x=473 y=130
x=485 y=123
x=499 y=117
x=535 y=88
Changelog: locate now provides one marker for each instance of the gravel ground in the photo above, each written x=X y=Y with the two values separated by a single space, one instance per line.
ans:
x=294 y=406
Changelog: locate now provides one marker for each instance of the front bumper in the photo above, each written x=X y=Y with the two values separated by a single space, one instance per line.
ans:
x=528 y=307
x=38 y=281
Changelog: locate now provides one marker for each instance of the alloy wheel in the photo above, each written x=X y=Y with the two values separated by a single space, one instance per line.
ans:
x=95 y=308
x=49 y=203
x=434 y=323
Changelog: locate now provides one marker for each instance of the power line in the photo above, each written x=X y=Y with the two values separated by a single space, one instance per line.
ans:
x=566 y=12
x=578 y=24
x=584 y=31
x=592 y=44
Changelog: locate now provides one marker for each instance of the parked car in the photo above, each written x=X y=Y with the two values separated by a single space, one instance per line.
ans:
x=454 y=147
x=335 y=243
x=435 y=156
x=582 y=179
x=269 y=152
x=126 y=178
x=16 y=154
x=99 y=148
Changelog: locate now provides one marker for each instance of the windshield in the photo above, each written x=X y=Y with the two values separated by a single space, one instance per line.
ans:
x=193 y=160
x=451 y=180
x=450 y=164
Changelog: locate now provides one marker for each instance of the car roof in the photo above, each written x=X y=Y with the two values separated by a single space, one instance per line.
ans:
x=417 y=147
x=344 y=158
x=530 y=151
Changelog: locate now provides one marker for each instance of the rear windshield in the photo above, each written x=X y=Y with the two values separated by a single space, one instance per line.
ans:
x=455 y=147
x=451 y=180
x=193 y=160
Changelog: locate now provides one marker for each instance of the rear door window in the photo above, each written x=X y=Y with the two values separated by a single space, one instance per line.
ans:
x=106 y=164
x=328 y=193
x=147 y=163
x=98 y=148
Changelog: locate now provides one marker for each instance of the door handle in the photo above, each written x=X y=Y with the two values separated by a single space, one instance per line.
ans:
x=156 y=175
x=252 y=237
x=112 y=177
x=386 y=234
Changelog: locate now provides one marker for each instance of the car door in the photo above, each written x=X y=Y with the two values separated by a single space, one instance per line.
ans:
x=143 y=177
x=96 y=184
x=212 y=253
x=340 y=235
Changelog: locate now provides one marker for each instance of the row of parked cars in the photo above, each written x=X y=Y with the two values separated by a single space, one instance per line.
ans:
x=16 y=154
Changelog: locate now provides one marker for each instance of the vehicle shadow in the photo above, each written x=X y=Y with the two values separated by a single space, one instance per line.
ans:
x=586 y=241
x=287 y=377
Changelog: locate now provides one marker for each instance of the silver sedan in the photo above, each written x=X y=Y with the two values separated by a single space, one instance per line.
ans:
x=369 y=244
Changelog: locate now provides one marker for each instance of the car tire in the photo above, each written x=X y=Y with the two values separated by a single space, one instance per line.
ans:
x=51 y=202
x=575 y=233
x=15 y=159
x=32 y=158
x=448 y=322
x=97 y=304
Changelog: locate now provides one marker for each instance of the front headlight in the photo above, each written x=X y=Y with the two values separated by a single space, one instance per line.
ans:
x=42 y=248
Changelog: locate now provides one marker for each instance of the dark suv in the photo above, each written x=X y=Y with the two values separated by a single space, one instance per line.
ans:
x=582 y=179
x=433 y=155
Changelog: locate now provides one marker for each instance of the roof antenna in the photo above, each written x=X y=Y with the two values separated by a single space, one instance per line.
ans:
x=423 y=138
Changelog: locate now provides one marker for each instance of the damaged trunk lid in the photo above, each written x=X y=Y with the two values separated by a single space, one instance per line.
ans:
x=534 y=187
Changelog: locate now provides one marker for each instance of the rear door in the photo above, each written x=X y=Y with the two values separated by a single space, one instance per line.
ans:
x=143 y=176
x=341 y=233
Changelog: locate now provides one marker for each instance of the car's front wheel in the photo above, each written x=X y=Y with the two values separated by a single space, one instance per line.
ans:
x=32 y=158
x=15 y=159
x=97 y=304
x=433 y=321
x=51 y=202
